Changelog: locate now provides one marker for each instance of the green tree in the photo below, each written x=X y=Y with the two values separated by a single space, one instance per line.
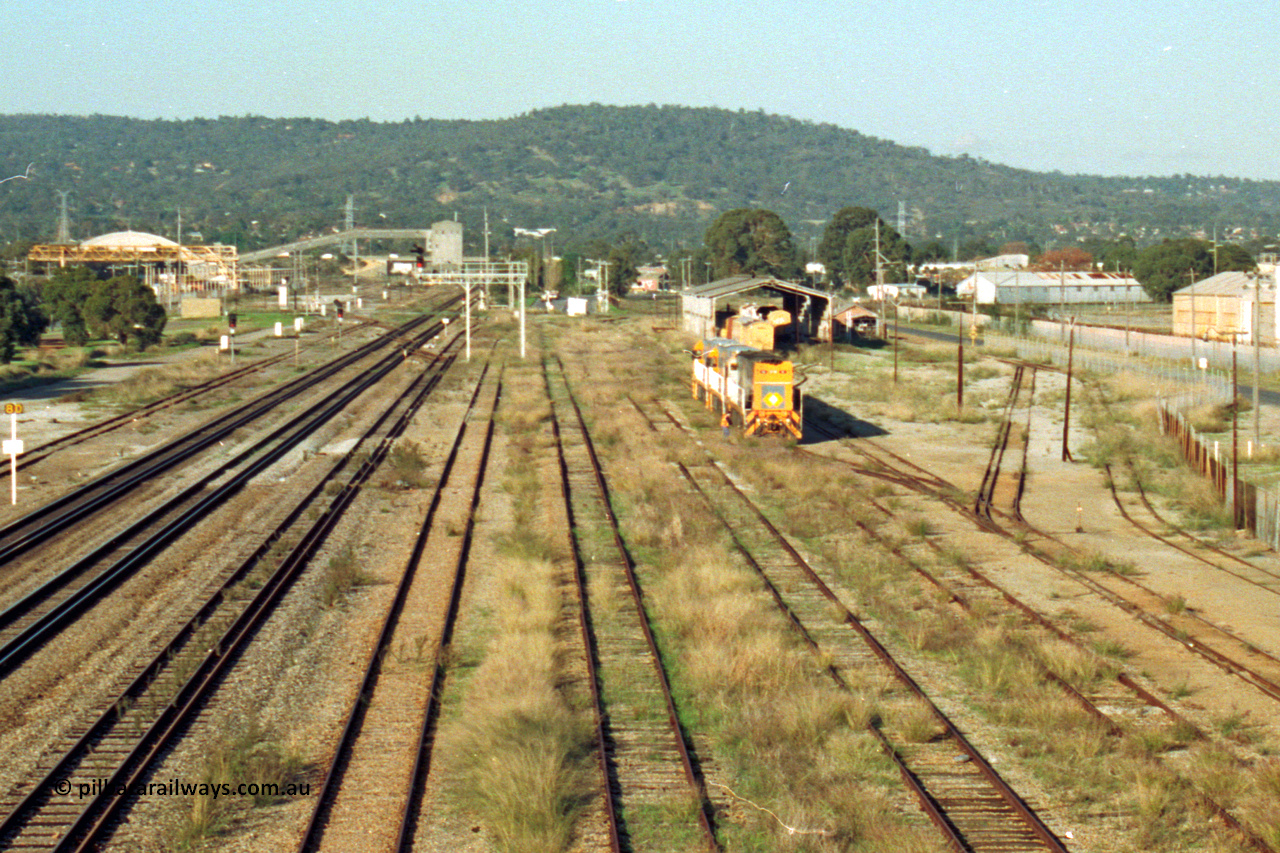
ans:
x=752 y=241
x=64 y=296
x=931 y=252
x=625 y=258
x=1119 y=254
x=975 y=248
x=1232 y=256
x=848 y=248
x=1173 y=264
x=569 y=262
x=21 y=320
x=123 y=307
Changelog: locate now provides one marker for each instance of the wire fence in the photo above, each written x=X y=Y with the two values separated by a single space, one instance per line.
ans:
x=1202 y=354
x=1181 y=388
x=1254 y=508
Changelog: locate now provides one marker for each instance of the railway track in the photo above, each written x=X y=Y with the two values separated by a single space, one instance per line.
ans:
x=131 y=731
x=1148 y=520
x=34 y=528
x=28 y=623
x=44 y=450
x=646 y=758
x=40 y=452
x=1196 y=633
x=957 y=788
x=987 y=498
x=395 y=712
x=1119 y=703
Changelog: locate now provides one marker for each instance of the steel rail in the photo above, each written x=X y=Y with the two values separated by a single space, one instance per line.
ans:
x=36 y=634
x=688 y=764
x=16 y=609
x=426 y=735
x=987 y=489
x=1015 y=802
x=168 y=724
x=586 y=631
x=1251 y=838
x=46 y=449
x=1195 y=645
x=335 y=772
x=29 y=530
x=933 y=809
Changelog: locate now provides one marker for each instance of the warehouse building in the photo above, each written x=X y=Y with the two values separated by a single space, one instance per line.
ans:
x=1227 y=306
x=1068 y=287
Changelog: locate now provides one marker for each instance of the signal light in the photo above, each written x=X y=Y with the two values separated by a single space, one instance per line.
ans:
x=231 y=322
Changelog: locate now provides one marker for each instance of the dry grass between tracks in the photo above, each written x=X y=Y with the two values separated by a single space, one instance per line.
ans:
x=791 y=751
x=1126 y=436
x=522 y=746
x=998 y=669
x=250 y=755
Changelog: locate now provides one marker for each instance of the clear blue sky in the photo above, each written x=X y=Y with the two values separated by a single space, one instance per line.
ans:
x=1094 y=86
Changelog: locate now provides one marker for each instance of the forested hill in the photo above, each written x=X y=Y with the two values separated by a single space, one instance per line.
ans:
x=591 y=172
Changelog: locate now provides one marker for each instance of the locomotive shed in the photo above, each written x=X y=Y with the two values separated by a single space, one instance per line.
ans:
x=809 y=308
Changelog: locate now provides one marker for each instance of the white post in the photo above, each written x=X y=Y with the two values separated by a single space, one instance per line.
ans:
x=467 y=287
x=13 y=447
x=13 y=458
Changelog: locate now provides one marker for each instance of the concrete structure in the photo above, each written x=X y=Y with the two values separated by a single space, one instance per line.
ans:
x=444 y=242
x=1071 y=287
x=706 y=307
x=1221 y=307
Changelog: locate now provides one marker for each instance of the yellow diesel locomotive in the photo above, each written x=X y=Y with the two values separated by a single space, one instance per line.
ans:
x=755 y=388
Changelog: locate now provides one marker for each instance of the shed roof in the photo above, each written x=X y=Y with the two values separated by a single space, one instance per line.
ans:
x=743 y=283
x=127 y=239
x=1041 y=278
x=1230 y=283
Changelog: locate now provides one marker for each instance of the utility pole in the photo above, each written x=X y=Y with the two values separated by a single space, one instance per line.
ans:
x=1191 y=274
x=880 y=282
x=602 y=295
x=1128 y=310
x=1255 y=280
x=1062 y=292
x=1066 y=412
x=1235 y=441
x=895 y=340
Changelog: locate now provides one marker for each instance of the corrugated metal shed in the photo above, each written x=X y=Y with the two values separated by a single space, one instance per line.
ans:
x=1008 y=287
x=810 y=308
x=1229 y=283
x=1221 y=307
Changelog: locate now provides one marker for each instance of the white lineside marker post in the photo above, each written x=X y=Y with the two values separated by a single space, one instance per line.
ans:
x=13 y=446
